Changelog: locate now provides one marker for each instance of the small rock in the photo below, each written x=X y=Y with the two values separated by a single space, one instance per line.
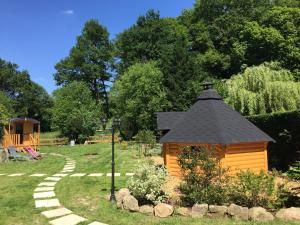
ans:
x=217 y=211
x=289 y=214
x=238 y=212
x=163 y=210
x=183 y=211
x=260 y=214
x=146 y=209
x=199 y=210
x=130 y=203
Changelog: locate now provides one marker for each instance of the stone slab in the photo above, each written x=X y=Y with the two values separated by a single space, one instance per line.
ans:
x=78 y=175
x=16 y=175
x=48 y=194
x=56 y=212
x=53 y=178
x=71 y=219
x=97 y=223
x=129 y=174
x=116 y=174
x=44 y=189
x=3 y=174
x=69 y=167
x=47 y=184
x=38 y=175
x=60 y=175
x=95 y=175
x=47 y=203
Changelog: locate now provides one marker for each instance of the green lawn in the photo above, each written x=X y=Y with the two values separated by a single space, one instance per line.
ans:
x=85 y=196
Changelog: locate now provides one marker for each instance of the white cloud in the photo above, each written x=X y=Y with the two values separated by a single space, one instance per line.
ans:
x=68 y=12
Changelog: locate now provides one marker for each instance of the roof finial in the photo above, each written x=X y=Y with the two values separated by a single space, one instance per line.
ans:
x=206 y=85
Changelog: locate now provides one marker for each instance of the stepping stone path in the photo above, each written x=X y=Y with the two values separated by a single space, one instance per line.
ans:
x=56 y=212
x=38 y=175
x=95 y=175
x=71 y=219
x=78 y=175
x=116 y=174
x=16 y=175
x=53 y=178
x=44 y=196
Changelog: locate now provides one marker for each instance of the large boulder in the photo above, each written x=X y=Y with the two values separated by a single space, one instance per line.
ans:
x=289 y=214
x=238 y=212
x=120 y=196
x=199 y=210
x=163 y=210
x=217 y=211
x=183 y=211
x=260 y=214
x=130 y=203
x=146 y=209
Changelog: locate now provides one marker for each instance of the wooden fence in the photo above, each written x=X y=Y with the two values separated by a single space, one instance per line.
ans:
x=101 y=139
x=53 y=141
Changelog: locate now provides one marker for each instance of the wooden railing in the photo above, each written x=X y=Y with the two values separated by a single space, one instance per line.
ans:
x=11 y=139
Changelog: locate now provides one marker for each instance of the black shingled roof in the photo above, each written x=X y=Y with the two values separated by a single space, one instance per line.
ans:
x=166 y=120
x=211 y=121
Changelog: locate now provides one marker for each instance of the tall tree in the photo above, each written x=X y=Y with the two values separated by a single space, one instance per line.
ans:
x=137 y=95
x=266 y=88
x=26 y=98
x=74 y=111
x=89 y=61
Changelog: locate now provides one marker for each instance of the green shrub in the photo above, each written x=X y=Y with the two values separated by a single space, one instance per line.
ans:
x=147 y=184
x=204 y=179
x=251 y=190
x=284 y=129
x=294 y=171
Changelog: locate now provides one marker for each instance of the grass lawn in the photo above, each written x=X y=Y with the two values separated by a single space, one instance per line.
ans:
x=85 y=196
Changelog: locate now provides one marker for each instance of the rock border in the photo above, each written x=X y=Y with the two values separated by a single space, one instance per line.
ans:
x=126 y=201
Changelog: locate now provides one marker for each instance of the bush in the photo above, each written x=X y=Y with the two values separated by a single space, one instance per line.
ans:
x=204 y=178
x=147 y=182
x=250 y=189
x=294 y=171
x=284 y=129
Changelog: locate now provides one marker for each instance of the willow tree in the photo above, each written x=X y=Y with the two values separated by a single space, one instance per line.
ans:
x=262 y=89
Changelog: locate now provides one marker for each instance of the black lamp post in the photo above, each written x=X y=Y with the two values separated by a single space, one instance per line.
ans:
x=115 y=125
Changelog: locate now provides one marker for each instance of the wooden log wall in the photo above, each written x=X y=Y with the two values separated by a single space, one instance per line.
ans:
x=235 y=157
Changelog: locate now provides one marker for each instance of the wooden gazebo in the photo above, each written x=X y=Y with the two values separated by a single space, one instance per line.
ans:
x=212 y=123
x=22 y=132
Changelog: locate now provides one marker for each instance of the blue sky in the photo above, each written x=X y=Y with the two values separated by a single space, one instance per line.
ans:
x=36 y=34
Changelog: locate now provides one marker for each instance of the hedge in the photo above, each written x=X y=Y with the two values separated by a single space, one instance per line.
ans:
x=285 y=129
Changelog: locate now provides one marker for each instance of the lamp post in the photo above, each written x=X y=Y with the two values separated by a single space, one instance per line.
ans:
x=115 y=125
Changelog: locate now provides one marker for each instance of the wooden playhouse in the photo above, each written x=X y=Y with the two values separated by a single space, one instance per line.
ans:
x=212 y=123
x=22 y=132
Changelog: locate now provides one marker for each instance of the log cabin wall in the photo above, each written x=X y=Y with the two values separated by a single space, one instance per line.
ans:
x=243 y=156
x=235 y=157
x=171 y=151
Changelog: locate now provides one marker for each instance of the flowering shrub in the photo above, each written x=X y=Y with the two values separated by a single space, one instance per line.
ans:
x=147 y=182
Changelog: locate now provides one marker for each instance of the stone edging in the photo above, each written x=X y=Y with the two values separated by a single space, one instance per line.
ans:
x=126 y=201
